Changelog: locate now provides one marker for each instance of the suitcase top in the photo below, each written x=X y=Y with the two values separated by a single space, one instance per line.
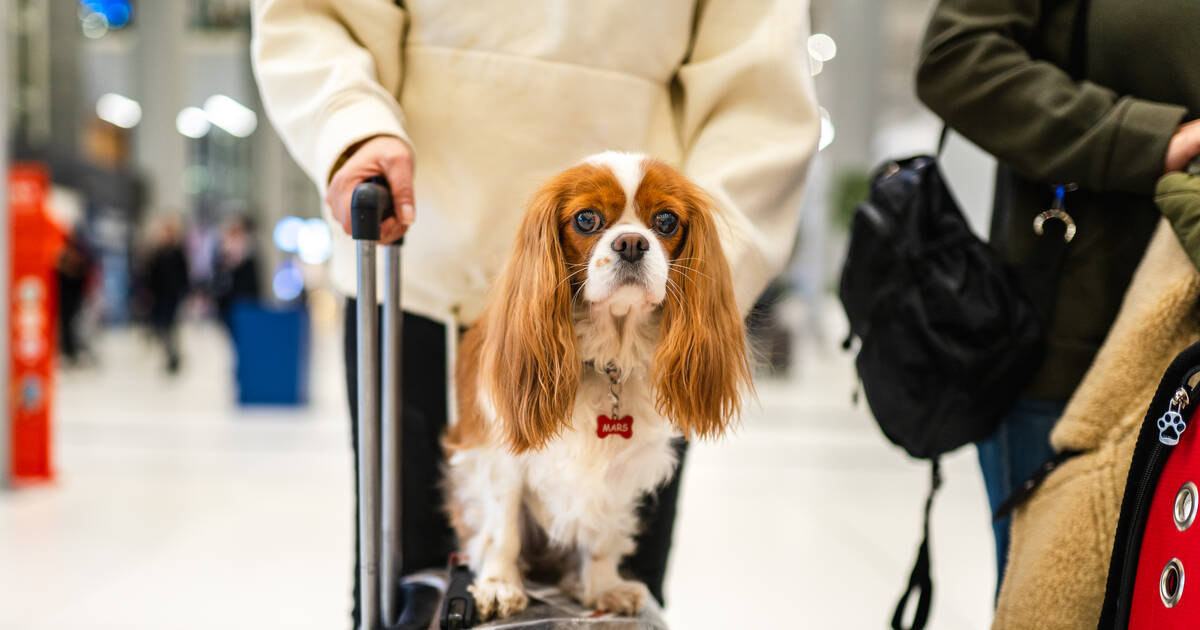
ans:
x=550 y=609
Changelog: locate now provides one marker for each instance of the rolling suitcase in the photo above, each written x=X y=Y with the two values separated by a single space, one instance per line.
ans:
x=437 y=599
x=1157 y=541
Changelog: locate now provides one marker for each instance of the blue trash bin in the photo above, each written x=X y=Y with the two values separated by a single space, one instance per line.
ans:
x=271 y=345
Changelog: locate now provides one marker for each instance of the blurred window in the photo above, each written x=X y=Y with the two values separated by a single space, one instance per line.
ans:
x=219 y=15
x=217 y=178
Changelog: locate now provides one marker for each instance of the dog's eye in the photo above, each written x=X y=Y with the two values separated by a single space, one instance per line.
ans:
x=588 y=221
x=666 y=223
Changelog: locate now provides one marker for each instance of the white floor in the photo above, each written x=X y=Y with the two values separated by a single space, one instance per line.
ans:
x=173 y=508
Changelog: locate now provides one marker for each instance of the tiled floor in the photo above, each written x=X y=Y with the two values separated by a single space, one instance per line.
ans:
x=175 y=509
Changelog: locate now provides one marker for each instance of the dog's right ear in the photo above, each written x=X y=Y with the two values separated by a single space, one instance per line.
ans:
x=701 y=368
x=530 y=361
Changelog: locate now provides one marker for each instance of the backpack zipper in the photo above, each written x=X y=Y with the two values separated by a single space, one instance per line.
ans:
x=1162 y=446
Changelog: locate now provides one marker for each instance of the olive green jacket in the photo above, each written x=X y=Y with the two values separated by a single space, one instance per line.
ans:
x=996 y=72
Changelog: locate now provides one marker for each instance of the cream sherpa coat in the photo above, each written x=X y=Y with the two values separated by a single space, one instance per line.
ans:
x=1062 y=538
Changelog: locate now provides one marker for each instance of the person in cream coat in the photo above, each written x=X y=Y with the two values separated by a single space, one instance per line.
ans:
x=467 y=106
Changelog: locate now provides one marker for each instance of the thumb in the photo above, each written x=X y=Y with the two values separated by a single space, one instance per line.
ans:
x=399 y=177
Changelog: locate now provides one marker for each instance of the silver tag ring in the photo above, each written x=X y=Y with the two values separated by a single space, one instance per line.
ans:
x=1055 y=213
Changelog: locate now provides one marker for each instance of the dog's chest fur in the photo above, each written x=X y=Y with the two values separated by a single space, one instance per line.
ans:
x=581 y=481
x=582 y=484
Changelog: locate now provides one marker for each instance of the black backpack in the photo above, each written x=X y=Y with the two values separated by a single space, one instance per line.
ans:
x=949 y=335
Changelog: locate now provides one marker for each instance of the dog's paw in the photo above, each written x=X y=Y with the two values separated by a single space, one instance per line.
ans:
x=498 y=598
x=628 y=597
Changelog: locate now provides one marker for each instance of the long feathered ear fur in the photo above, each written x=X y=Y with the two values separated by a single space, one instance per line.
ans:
x=530 y=366
x=701 y=367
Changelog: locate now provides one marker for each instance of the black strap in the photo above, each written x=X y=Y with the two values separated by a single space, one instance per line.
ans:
x=920 y=581
x=1027 y=487
x=1040 y=281
x=1040 y=277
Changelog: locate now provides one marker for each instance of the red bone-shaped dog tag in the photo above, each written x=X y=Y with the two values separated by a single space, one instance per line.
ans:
x=607 y=425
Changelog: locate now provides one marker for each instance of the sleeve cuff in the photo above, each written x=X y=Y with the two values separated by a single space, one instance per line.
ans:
x=750 y=274
x=348 y=125
x=1178 y=198
x=1140 y=146
x=749 y=269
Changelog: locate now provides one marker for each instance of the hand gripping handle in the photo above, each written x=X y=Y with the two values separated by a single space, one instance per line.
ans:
x=370 y=204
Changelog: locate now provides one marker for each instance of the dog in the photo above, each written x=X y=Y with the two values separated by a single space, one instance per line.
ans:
x=612 y=329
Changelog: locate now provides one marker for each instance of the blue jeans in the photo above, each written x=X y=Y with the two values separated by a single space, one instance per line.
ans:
x=1018 y=447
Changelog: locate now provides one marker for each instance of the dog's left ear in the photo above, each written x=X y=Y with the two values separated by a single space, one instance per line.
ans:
x=701 y=368
x=530 y=361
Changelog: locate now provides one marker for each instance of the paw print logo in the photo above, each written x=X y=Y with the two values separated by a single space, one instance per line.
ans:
x=1170 y=427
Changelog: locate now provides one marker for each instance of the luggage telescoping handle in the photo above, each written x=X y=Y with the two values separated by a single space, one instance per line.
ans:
x=379 y=549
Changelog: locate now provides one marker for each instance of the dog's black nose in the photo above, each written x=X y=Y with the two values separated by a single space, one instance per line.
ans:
x=631 y=246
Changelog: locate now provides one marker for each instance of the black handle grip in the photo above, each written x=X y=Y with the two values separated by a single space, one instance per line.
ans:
x=370 y=204
x=458 y=606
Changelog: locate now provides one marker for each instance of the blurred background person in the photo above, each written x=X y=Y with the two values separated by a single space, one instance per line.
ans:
x=1099 y=95
x=75 y=270
x=167 y=285
x=235 y=273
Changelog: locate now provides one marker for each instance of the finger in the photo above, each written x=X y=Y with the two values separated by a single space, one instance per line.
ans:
x=391 y=230
x=339 y=206
x=399 y=176
x=408 y=213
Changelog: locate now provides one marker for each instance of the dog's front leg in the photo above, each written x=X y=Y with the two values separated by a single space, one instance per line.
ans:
x=601 y=585
x=495 y=548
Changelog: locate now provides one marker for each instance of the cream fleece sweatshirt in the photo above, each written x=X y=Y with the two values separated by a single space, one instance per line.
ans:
x=496 y=96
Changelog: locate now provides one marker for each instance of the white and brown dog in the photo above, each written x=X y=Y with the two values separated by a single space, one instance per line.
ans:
x=612 y=329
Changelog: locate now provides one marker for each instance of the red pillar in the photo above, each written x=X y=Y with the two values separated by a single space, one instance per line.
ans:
x=32 y=303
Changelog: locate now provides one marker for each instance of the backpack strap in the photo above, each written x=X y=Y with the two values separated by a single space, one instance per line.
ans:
x=920 y=581
x=1030 y=485
x=1040 y=277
